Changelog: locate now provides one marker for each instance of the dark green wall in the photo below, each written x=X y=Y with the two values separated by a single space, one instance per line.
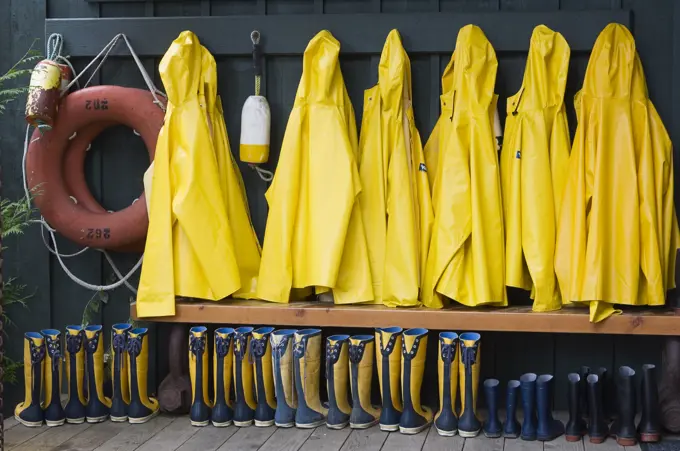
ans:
x=117 y=161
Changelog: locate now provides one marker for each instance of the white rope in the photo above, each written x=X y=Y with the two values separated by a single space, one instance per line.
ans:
x=264 y=174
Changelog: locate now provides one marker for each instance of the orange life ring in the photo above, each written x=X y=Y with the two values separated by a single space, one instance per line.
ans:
x=45 y=162
x=74 y=175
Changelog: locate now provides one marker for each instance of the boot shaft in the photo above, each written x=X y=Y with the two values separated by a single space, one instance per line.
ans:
x=245 y=404
x=198 y=365
x=388 y=362
x=307 y=366
x=512 y=427
x=337 y=380
x=142 y=406
x=448 y=367
x=75 y=373
x=624 y=426
x=528 y=388
x=30 y=412
x=282 y=357
x=597 y=426
x=52 y=368
x=361 y=351
x=548 y=428
x=264 y=376
x=222 y=364
x=492 y=425
x=119 y=367
x=650 y=426
x=97 y=404
x=415 y=417
x=469 y=367
x=576 y=426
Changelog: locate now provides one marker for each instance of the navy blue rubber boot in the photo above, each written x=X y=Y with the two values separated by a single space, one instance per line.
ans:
x=307 y=357
x=120 y=398
x=389 y=361
x=98 y=405
x=29 y=412
x=54 y=412
x=75 y=367
x=512 y=427
x=337 y=363
x=528 y=388
x=222 y=413
x=264 y=381
x=245 y=404
x=200 y=408
x=493 y=427
x=282 y=357
x=446 y=421
x=548 y=428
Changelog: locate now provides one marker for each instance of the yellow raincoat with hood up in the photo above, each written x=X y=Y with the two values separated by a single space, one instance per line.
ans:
x=534 y=167
x=618 y=232
x=395 y=200
x=190 y=248
x=315 y=235
x=466 y=260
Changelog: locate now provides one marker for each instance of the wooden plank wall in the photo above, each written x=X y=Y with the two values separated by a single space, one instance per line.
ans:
x=117 y=160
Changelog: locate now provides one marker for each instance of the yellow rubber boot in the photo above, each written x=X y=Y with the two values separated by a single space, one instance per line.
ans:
x=142 y=407
x=388 y=358
x=245 y=404
x=337 y=378
x=54 y=413
x=120 y=399
x=446 y=421
x=75 y=374
x=98 y=405
x=264 y=380
x=222 y=413
x=415 y=417
x=30 y=413
x=198 y=372
x=470 y=350
x=307 y=357
x=361 y=350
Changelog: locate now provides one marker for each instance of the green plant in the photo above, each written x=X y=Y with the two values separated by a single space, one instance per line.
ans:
x=16 y=215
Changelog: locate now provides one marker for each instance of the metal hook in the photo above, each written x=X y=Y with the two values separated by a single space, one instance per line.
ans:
x=255 y=37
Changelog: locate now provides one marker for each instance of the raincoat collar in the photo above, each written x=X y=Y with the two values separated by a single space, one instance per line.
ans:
x=320 y=71
x=394 y=74
x=610 y=68
x=180 y=68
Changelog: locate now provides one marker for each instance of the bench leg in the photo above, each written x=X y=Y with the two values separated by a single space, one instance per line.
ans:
x=174 y=393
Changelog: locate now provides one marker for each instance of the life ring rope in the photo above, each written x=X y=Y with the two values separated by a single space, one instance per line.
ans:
x=55 y=43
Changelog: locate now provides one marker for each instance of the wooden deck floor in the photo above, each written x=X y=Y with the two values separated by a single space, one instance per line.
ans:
x=165 y=433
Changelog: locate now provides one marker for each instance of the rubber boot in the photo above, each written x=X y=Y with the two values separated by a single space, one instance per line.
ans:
x=576 y=426
x=583 y=393
x=307 y=357
x=98 y=405
x=388 y=362
x=264 y=377
x=597 y=426
x=244 y=404
x=493 y=428
x=142 y=406
x=548 y=428
x=650 y=426
x=120 y=399
x=468 y=368
x=29 y=412
x=624 y=426
x=222 y=413
x=512 y=427
x=361 y=351
x=54 y=412
x=415 y=416
x=528 y=388
x=337 y=380
x=284 y=378
x=198 y=372
x=446 y=420
x=606 y=393
x=75 y=375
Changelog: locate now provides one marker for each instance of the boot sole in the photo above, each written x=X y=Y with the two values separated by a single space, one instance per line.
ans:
x=119 y=419
x=309 y=425
x=29 y=424
x=468 y=434
x=530 y=438
x=647 y=438
x=54 y=424
x=222 y=425
x=413 y=431
x=573 y=438
x=337 y=427
x=94 y=420
x=597 y=440
x=492 y=435
x=144 y=419
x=363 y=425
x=243 y=424
x=626 y=441
x=200 y=424
x=264 y=424
x=510 y=435
x=446 y=433
x=284 y=425
x=75 y=420
x=389 y=427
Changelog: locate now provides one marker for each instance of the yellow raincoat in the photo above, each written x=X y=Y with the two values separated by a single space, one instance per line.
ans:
x=466 y=260
x=534 y=167
x=315 y=235
x=618 y=232
x=395 y=201
x=190 y=250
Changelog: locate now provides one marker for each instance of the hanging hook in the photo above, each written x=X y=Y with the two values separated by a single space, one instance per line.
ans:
x=255 y=37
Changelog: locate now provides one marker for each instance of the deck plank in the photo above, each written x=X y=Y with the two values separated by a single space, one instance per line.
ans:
x=436 y=442
x=522 y=445
x=481 y=443
x=208 y=439
x=402 y=442
x=172 y=437
x=20 y=434
x=325 y=439
x=371 y=439
x=10 y=423
x=92 y=437
x=247 y=439
x=561 y=444
x=133 y=436
x=52 y=437
x=290 y=439
x=608 y=445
